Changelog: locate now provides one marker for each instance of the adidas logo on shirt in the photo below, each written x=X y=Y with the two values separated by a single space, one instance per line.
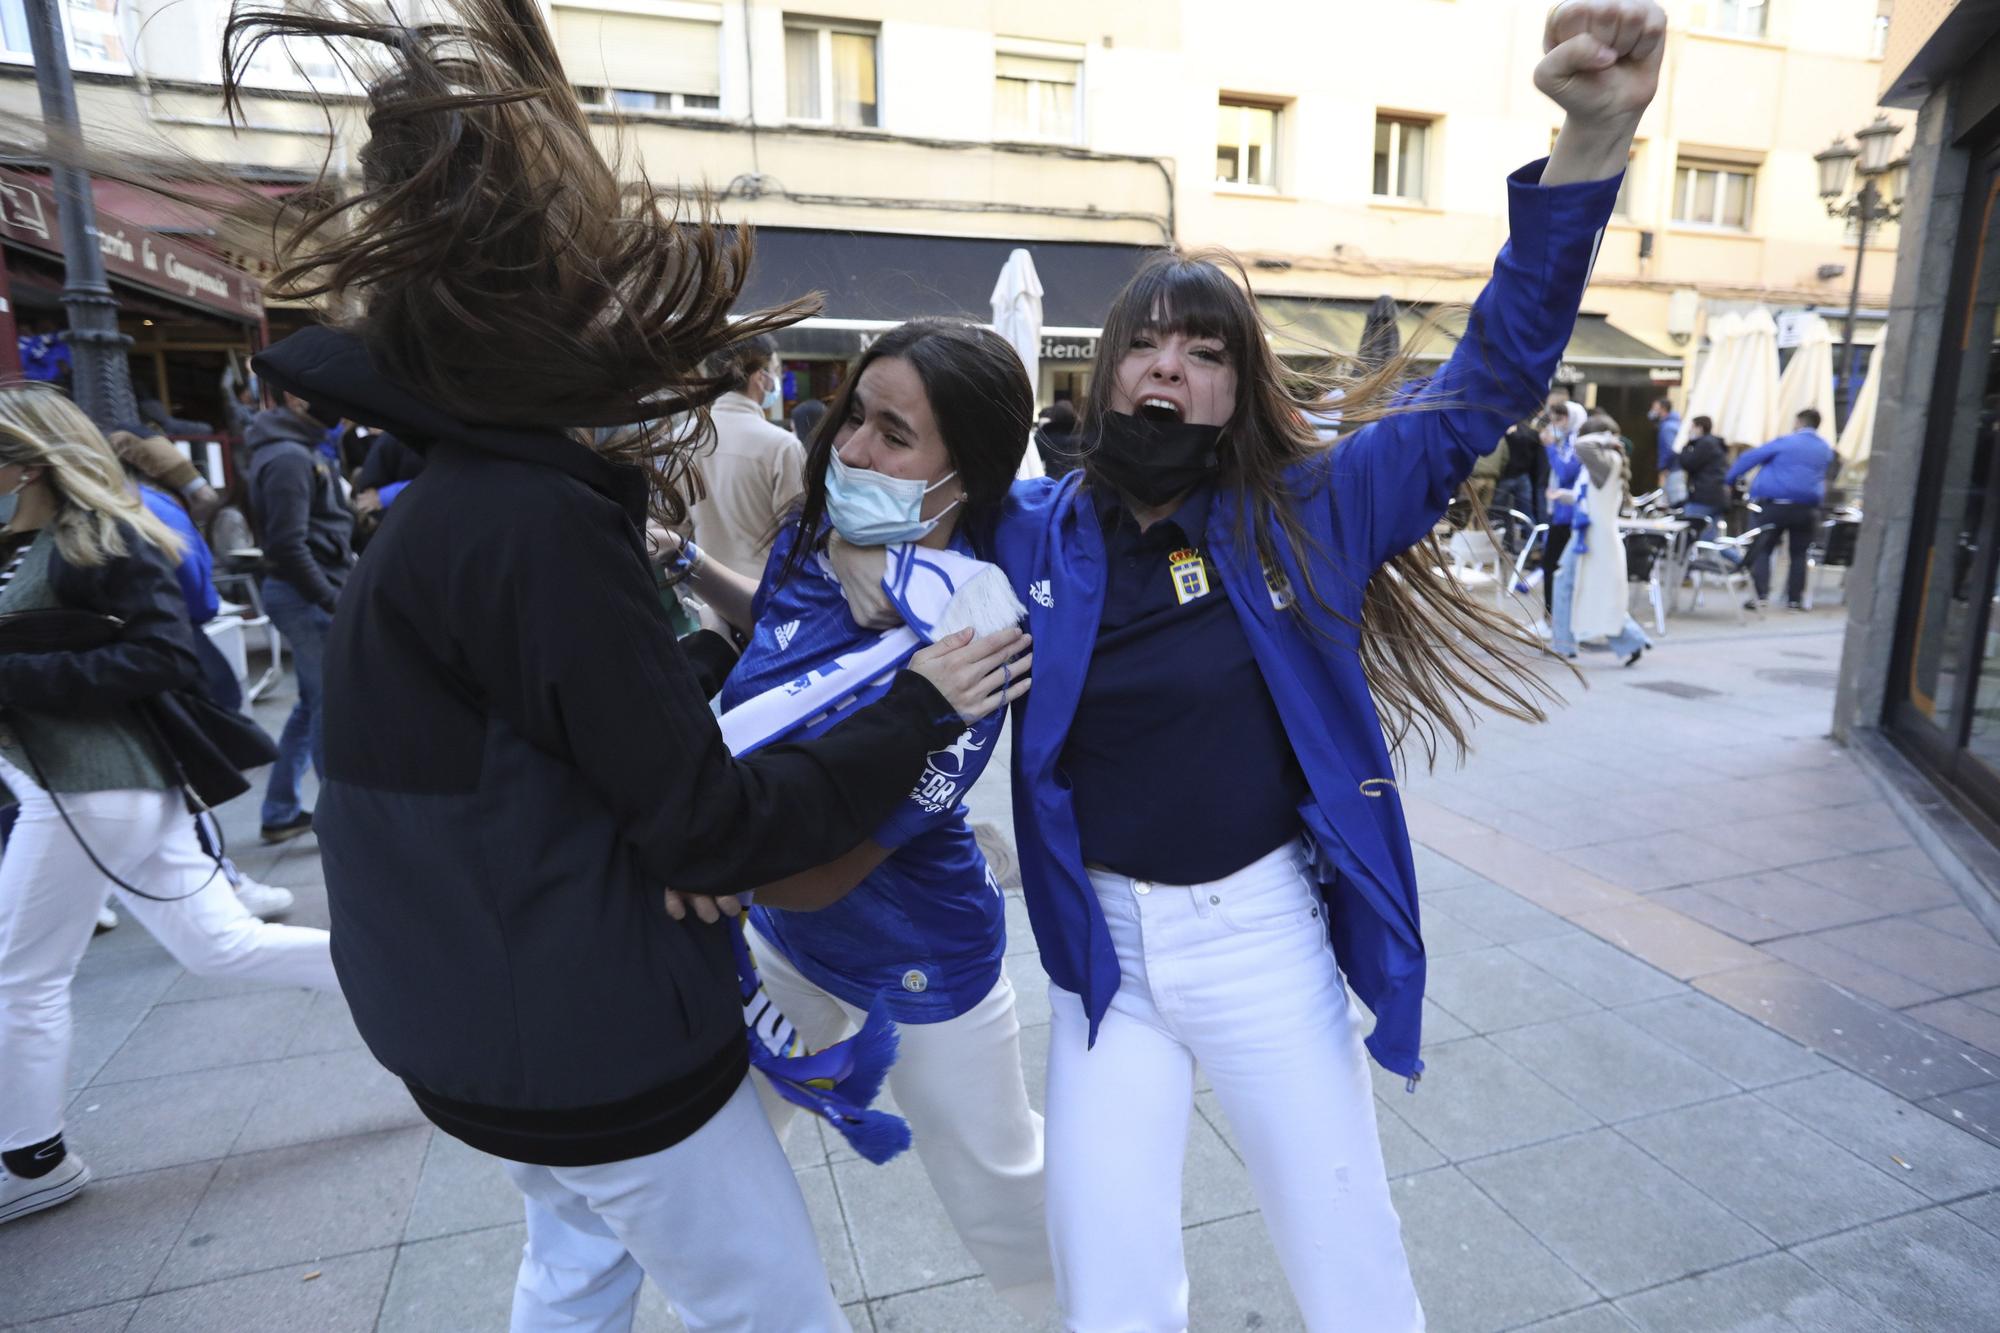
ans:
x=785 y=633
x=1040 y=595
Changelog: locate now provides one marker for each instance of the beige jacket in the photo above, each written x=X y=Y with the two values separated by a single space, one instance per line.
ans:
x=754 y=475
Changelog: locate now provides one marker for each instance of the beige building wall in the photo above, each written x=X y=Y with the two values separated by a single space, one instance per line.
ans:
x=1139 y=166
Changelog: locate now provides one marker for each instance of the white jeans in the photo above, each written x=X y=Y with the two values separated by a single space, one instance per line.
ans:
x=717 y=1220
x=49 y=896
x=1237 y=975
x=959 y=1085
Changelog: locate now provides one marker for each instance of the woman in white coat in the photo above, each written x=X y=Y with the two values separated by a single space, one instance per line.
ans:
x=1591 y=596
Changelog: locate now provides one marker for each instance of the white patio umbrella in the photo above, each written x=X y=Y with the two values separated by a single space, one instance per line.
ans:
x=1750 y=396
x=1017 y=317
x=1705 y=394
x=1808 y=380
x=1858 y=439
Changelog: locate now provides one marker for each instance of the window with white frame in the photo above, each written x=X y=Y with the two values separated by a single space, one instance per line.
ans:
x=641 y=62
x=290 y=60
x=1741 y=18
x=1246 y=144
x=1708 y=195
x=1035 y=97
x=96 y=37
x=14 y=29
x=1878 y=39
x=830 y=73
x=1402 y=158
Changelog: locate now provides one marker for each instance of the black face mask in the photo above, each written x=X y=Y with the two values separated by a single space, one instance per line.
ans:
x=1153 y=461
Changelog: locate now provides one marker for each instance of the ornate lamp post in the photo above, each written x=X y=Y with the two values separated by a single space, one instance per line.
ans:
x=1871 y=205
x=103 y=378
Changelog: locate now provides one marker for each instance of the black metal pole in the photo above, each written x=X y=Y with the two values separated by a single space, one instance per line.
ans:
x=102 y=381
x=1864 y=206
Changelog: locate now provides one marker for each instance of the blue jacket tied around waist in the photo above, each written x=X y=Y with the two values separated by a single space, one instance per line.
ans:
x=1371 y=496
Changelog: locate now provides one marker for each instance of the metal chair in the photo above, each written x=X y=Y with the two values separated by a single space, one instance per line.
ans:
x=1648 y=555
x=1524 y=537
x=1834 y=548
x=237 y=574
x=1726 y=559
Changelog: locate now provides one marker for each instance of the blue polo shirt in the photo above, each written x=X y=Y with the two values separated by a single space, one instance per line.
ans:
x=1179 y=762
x=927 y=928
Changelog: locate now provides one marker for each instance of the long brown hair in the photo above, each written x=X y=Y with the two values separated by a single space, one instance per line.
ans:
x=499 y=265
x=1429 y=649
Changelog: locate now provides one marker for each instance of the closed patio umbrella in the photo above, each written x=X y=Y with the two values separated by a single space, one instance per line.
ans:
x=1017 y=317
x=1808 y=380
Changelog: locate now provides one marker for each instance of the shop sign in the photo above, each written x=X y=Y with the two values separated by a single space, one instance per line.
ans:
x=1068 y=349
x=166 y=264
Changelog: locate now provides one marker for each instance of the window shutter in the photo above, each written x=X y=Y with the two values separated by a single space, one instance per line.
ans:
x=639 y=52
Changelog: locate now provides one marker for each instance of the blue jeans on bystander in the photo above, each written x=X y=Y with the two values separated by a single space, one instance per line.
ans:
x=304 y=626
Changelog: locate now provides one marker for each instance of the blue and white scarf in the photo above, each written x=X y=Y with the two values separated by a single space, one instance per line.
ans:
x=938 y=593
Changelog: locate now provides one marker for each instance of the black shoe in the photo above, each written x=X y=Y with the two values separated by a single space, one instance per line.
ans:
x=1757 y=604
x=1637 y=653
x=290 y=829
x=1795 y=606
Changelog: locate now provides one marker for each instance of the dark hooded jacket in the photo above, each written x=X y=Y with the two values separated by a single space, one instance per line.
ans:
x=303 y=522
x=519 y=760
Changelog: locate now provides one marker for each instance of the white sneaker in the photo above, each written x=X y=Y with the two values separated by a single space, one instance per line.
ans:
x=1542 y=630
x=106 y=919
x=263 y=900
x=20 y=1196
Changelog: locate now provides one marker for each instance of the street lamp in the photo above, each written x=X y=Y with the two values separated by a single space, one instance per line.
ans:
x=102 y=380
x=1839 y=165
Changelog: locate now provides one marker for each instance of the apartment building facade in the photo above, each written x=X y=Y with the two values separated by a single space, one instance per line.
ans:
x=893 y=152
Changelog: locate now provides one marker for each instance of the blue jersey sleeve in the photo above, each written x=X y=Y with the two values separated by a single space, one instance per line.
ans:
x=1394 y=478
x=948 y=775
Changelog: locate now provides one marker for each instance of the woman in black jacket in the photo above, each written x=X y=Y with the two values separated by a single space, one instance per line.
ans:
x=520 y=758
x=96 y=791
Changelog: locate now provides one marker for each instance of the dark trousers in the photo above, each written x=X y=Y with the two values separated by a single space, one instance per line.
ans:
x=1551 y=554
x=1796 y=522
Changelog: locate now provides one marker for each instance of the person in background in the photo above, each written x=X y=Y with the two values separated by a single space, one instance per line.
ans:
x=1705 y=460
x=195 y=575
x=1790 y=485
x=390 y=466
x=1525 y=476
x=44 y=352
x=1666 y=432
x=755 y=473
x=1591 y=596
x=307 y=534
x=1559 y=493
x=1055 y=438
x=806 y=418
x=93 y=785
x=160 y=461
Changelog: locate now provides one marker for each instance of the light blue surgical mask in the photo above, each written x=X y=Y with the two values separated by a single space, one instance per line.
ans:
x=774 y=398
x=871 y=509
x=10 y=503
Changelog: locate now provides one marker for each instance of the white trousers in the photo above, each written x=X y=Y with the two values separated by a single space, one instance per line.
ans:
x=1238 y=975
x=959 y=1085
x=717 y=1220
x=49 y=896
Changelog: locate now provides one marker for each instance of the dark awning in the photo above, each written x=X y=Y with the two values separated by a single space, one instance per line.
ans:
x=873 y=279
x=1305 y=328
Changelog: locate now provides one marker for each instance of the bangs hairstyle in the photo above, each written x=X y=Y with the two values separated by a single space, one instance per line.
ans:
x=1429 y=649
x=495 y=260
x=95 y=503
x=980 y=398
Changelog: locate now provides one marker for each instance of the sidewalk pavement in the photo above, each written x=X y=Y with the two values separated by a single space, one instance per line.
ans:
x=1710 y=1045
